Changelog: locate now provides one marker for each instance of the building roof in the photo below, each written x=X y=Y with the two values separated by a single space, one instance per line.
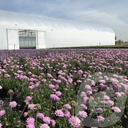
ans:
x=13 y=18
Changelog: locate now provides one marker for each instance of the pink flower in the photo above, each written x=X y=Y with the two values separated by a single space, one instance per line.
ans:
x=1 y=87
x=118 y=94
x=100 y=118
x=59 y=113
x=25 y=114
x=110 y=103
x=74 y=121
x=47 y=120
x=32 y=106
x=28 y=98
x=2 y=112
x=52 y=86
x=54 y=97
x=67 y=106
x=30 y=126
x=30 y=120
x=116 y=109
x=40 y=115
x=44 y=126
x=99 y=110
x=83 y=114
x=0 y=125
x=88 y=87
x=84 y=106
x=58 y=93
x=53 y=122
x=49 y=75
x=13 y=104
x=80 y=72
x=106 y=97
x=79 y=81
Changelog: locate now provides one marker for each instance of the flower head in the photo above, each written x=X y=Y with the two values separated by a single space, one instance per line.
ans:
x=74 y=121
x=13 y=104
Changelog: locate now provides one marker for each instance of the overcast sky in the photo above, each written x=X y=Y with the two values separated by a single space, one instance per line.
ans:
x=113 y=13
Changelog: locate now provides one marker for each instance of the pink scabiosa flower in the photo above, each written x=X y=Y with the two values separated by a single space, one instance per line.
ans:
x=40 y=115
x=118 y=94
x=84 y=106
x=67 y=106
x=30 y=120
x=32 y=106
x=58 y=93
x=53 y=122
x=52 y=86
x=102 y=81
x=25 y=114
x=99 y=110
x=116 y=109
x=83 y=94
x=110 y=103
x=13 y=104
x=106 y=97
x=49 y=75
x=54 y=97
x=1 y=87
x=80 y=72
x=79 y=81
x=59 y=113
x=88 y=87
x=74 y=121
x=28 y=98
x=2 y=112
x=47 y=119
x=0 y=125
x=30 y=126
x=83 y=114
x=44 y=126
x=100 y=118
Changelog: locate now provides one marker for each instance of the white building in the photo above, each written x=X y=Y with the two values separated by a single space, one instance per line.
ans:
x=28 y=31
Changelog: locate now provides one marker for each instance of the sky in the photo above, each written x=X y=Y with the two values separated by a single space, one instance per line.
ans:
x=113 y=13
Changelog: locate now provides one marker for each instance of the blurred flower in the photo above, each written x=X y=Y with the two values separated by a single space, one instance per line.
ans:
x=32 y=106
x=30 y=126
x=44 y=126
x=54 y=97
x=52 y=86
x=53 y=122
x=25 y=114
x=116 y=109
x=40 y=115
x=0 y=125
x=74 y=121
x=58 y=93
x=99 y=110
x=84 y=106
x=1 y=87
x=2 y=112
x=83 y=114
x=67 y=106
x=13 y=104
x=100 y=118
x=30 y=120
x=47 y=119
x=28 y=98
x=59 y=113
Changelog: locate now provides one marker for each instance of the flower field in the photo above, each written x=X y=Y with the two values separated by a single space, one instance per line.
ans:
x=64 y=88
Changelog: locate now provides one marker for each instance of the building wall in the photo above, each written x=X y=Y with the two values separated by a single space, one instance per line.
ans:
x=76 y=38
x=3 y=38
x=57 y=37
